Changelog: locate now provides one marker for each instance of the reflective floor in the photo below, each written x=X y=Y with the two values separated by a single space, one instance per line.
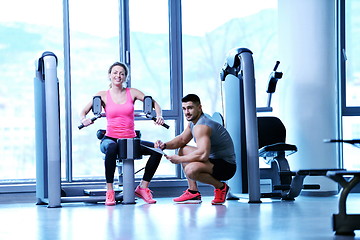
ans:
x=305 y=218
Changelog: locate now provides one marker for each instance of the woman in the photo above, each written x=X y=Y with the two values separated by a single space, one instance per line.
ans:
x=118 y=103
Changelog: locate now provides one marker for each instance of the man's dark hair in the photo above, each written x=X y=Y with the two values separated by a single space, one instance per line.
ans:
x=191 y=98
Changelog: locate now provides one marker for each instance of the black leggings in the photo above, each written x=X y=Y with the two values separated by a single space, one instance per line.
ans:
x=109 y=146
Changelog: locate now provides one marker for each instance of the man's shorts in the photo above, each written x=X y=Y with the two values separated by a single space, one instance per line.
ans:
x=222 y=169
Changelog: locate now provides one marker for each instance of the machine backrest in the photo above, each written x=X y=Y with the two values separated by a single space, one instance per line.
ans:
x=217 y=117
x=270 y=131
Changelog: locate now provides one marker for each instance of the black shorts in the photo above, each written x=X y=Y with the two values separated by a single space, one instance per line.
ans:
x=222 y=169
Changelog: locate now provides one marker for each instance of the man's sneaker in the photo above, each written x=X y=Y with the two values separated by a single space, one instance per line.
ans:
x=110 y=198
x=188 y=197
x=220 y=195
x=145 y=194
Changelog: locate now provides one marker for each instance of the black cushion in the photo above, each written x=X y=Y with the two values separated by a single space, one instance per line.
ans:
x=270 y=131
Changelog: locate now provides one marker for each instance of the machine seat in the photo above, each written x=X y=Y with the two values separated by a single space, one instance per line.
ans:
x=273 y=149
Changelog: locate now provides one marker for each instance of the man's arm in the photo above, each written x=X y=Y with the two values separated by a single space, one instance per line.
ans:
x=180 y=140
x=203 y=144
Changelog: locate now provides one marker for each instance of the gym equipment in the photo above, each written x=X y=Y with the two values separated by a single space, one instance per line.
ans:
x=47 y=124
x=285 y=184
x=129 y=150
x=343 y=223
x=245 y=129
x=238 y=75
x=148 y=107
x=96 y=109
x=273 y=149
x=47 y=130
x=147 y=110
x=273 y=79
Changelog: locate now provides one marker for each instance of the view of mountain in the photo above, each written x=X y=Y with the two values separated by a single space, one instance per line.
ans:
x=22 y=44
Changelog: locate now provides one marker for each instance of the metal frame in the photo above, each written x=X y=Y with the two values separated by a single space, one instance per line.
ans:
x=346 y=111
x=176 y=75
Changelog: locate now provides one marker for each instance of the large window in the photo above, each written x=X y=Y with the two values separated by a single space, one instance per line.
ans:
x=349 y=52
x=209 y=35
x=150 y=69
x=27 y=29
x=351 y=130
x=352 y=29
x=209 y=30
x=94 y=42
x=94 y=47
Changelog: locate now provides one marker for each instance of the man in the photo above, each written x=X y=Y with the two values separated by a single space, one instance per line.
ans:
x=211 y=161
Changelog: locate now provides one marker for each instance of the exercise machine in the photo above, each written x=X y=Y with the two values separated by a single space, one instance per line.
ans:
x=128 y=150
x=285 y=184
x=259 y=136
x=241 y=118
x=274 y=150
x=47 y=126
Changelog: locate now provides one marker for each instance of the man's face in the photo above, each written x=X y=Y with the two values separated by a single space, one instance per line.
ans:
x=191 y=110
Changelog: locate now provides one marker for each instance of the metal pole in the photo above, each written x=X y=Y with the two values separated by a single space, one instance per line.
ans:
x=40 y=129
x=239 y=66
x=128 y=176
x=52 y=129
x=251 y=129
x=67 y=82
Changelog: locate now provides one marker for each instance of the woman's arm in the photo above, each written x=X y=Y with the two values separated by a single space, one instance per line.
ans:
x=138 y=95
x=87 y=121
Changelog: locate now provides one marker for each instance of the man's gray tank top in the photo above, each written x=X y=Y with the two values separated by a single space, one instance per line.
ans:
x=222 y=146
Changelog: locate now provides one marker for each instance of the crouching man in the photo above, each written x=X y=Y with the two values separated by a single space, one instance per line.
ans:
x=212 y=161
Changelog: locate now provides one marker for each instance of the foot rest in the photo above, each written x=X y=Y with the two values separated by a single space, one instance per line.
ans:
x=311 y=186
x=343 y=173
x=271 y=150
x=271 y=195
x=99 y=192
x=287 y=173
x=281 y=187
x=317 y=172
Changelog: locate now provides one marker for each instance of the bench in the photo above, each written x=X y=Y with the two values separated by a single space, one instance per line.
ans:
x=343 y=223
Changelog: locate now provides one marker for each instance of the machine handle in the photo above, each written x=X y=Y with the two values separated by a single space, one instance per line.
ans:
x=164 y=124
x=92 y=120
x=276 y=65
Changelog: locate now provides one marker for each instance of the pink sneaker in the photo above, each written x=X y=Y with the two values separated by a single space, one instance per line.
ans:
x=220 y=195
x=145 y=194
x=110 y=198
x=188 y=197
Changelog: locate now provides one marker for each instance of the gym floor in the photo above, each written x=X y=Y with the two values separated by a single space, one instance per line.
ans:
x=305 y=218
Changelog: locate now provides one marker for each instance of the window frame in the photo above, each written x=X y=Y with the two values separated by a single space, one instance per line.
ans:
x=345 y=110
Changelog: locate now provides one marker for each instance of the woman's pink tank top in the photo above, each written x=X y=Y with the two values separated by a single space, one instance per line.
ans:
x=120 y=117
